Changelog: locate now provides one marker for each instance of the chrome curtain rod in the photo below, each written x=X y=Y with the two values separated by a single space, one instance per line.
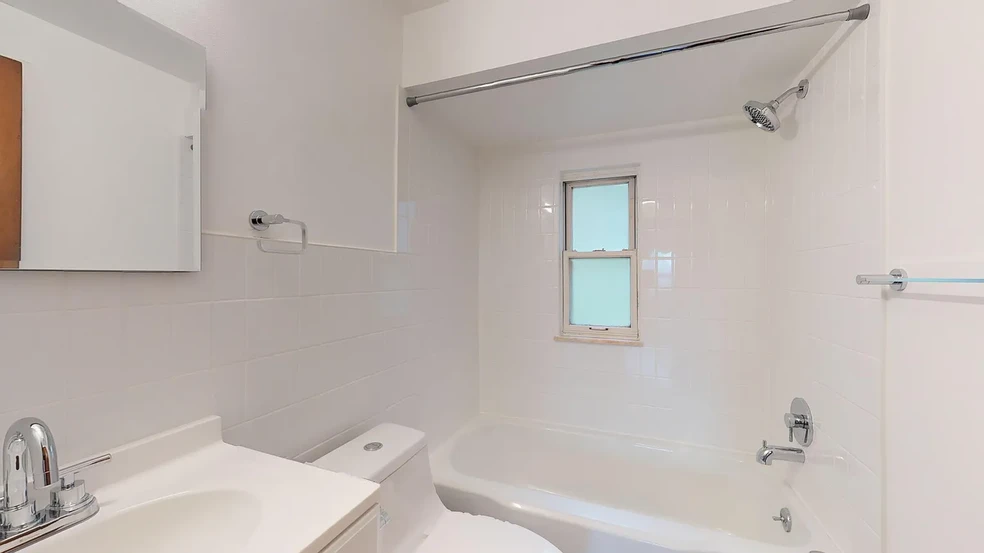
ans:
x=859 y=13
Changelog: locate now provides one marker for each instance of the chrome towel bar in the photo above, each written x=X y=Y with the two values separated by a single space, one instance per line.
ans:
x=898 y=280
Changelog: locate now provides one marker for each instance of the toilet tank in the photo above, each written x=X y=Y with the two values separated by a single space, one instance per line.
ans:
x=395 y=457
x=376 y=454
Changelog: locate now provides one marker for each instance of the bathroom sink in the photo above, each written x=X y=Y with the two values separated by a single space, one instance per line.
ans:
x=186 y=491
x=186 y=523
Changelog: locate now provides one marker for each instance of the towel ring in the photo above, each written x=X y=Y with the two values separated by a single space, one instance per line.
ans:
x=261 y=220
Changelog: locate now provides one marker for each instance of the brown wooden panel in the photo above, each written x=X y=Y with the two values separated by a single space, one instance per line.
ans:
x=11 y=108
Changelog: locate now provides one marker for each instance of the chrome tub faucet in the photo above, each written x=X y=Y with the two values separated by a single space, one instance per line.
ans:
x=768 y=453
x=37 y=501
x=799 y=422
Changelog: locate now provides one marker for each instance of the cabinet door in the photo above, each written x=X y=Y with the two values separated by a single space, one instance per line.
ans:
x=11 y=106
x=361 y=537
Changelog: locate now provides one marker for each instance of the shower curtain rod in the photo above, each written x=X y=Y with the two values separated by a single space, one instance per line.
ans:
x=859 y=13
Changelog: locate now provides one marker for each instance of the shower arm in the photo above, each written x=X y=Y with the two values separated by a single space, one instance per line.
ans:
x=782 y=97
x=799 y=89
x=859 y=13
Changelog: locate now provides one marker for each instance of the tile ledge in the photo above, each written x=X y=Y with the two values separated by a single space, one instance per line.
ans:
x=600 y=341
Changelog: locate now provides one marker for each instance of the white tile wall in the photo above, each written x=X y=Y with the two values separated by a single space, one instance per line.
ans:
x=295 y=353
x=747 y=289
x=825 y=225
x=701 y=376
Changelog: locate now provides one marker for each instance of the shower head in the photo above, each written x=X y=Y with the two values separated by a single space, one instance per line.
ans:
x=763 y=115
x=766 y=116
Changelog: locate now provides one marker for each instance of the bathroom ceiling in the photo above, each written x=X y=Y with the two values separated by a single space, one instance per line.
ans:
x=699 y=84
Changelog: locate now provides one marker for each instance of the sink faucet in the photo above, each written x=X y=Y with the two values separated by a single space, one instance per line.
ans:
x=31 y=476
x=28 y=455
x=769 y=453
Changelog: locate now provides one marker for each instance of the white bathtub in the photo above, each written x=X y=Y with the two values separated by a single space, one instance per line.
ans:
x=597 y=493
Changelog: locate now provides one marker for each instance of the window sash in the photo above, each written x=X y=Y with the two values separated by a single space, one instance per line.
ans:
x=569 y=206
x=614 y=333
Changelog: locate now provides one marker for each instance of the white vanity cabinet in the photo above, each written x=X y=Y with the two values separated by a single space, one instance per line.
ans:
x=361 y=537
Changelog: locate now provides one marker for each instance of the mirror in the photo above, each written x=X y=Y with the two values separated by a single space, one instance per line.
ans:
x=100 y=139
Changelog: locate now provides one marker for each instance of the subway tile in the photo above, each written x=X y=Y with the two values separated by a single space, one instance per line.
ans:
x=228 y=333
x=147 y=349
x=310 y=275
x=286 y=275
x=93 y=351
x=30 y=291
x=310 y=324
x=190 y=287
x=91 y=290
x=224 y=263
x=32 y=344
x=191 y=337
x=227 y=386
x=259 y=274
x=269 y=383
x=345 y=271
x=147 y=289
x=271 y=326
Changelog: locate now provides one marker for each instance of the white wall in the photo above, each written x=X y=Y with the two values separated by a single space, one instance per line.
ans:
x=934 y=374
x=758 y=304
x=295 y=353
x=103 y=139
x=461 y=37
x=826 y=197
x=302 y=112
x=701 y=375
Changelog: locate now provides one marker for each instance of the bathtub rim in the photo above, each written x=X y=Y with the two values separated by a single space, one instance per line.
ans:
x=506 y=498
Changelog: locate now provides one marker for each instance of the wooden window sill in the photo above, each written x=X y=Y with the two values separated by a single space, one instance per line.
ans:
x=599 y=341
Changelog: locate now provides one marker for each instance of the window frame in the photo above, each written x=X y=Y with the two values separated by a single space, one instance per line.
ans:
x=568 y=330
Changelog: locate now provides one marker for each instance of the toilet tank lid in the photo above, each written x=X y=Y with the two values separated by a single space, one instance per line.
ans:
x=376 y=454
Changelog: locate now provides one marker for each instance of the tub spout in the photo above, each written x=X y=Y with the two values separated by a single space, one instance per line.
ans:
x=769 y=453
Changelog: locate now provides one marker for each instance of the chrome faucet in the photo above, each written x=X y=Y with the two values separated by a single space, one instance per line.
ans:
x=29 y=455
x=36 y=500
x=768 y=453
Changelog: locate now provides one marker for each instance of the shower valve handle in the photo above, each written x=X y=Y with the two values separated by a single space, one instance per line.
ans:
x=794 y=421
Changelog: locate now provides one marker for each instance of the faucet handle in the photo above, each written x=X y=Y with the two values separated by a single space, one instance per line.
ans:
x=71 y=495
x=799 y=421
x=795 y=421
x=72 y=471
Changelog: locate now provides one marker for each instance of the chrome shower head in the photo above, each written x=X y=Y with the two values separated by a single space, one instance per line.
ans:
x=766 y=116
x=763 y=115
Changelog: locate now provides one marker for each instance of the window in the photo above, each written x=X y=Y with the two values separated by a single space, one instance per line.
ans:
x=600 y=260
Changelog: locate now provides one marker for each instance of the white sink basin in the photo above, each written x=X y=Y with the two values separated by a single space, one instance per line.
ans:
x=220 y=520
x=185 y=491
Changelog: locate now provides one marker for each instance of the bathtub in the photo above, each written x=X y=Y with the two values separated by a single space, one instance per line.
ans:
x=597 y=493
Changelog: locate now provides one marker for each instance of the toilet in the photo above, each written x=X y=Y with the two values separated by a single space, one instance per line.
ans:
x=412 y=517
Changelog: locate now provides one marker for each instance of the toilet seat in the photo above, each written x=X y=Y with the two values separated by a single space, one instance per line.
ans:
x=464 y=533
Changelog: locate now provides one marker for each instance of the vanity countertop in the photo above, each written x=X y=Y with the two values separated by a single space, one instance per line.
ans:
x=187 y=490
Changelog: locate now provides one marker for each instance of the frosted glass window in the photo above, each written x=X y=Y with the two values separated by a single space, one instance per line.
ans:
x=600 y=218
x=601 y=292
x=600 y=259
